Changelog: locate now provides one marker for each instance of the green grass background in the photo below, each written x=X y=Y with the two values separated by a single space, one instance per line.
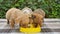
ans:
x=51 y=7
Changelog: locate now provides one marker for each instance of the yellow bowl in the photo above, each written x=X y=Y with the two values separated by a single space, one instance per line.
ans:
x=31 y=29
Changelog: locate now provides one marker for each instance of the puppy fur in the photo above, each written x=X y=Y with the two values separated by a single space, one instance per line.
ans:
x=37 y=19
x=14 y=15
x=27 y=11
x=40 y=11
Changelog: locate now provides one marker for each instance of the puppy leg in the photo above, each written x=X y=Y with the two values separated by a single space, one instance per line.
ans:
x=12 y=24
x=7 y=21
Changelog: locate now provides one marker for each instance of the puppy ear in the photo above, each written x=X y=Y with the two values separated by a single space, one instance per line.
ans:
x=33 y=16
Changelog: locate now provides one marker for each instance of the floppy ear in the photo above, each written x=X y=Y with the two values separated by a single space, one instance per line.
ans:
x=33 y=16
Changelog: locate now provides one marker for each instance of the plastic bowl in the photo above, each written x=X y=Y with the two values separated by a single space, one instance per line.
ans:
x=31 y=29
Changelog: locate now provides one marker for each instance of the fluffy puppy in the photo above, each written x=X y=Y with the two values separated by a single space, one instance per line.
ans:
x=40 y=11
x=14 y=15
x=37 y=19
x=27 y=11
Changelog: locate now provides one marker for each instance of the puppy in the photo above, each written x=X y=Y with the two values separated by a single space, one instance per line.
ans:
x=37 y=19
x=27 y=11
x=14 y=15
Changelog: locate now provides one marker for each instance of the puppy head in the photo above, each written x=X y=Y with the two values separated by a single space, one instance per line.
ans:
x=27 y=11
x=37 y=18
x=40 y=11
x=36 y=15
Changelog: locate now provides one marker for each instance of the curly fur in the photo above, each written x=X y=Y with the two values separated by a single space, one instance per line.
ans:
x=40 y=11
x=37 y=19
x=27 y=11
x=14 y=15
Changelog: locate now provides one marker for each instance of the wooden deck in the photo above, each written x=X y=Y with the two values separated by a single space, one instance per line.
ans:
x=51 y=26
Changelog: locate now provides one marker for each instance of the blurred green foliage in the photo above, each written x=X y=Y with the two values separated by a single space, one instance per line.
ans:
x=51 y=7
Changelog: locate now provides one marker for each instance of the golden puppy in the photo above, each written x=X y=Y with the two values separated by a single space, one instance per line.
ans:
x=14 y=15
x=37 y=19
